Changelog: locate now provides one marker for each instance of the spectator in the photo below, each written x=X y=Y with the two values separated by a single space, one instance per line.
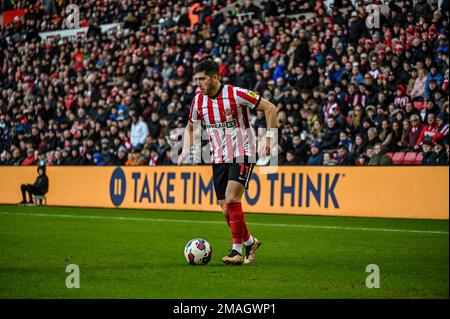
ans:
x=290 y=158
x=356 y=120
x=418 y=89
x=30 y=159
x=328 y=159
x=372 y=136
x=439 y=155
x=428 y=155
x=74 y=158
x=135 y=158
x=330 y=138
x=344 y=158
x=428 y=131
x=40 y=187
x=316 y=157
x=139 y=130
x=300 y=149
x=359 y=147
x=393 y=141
x=380 y=158
x=411 y=135
x=442 y=127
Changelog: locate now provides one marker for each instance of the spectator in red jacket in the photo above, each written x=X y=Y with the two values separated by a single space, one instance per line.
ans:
x=428 y=130
x=442 y=131
x=30 y=159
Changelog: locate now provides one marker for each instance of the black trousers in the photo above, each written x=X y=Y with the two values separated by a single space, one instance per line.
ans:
x=31 y=190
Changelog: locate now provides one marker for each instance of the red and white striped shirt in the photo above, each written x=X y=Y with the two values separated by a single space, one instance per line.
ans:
x=227 y=120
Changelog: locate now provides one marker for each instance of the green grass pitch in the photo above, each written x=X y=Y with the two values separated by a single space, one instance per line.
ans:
x=139 y=254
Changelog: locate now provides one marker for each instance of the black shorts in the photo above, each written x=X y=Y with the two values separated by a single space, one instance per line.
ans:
x=224 y=172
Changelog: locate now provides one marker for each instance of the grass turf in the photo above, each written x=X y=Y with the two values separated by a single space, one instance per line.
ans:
x=305 y=257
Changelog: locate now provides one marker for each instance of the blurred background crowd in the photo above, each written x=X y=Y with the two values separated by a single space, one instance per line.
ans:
x=347 y=92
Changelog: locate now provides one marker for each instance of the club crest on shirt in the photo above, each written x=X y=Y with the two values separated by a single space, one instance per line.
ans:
x=251 y=94
x=228 y=112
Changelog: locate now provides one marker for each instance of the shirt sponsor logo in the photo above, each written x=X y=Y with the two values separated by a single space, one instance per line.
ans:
x=228 y=124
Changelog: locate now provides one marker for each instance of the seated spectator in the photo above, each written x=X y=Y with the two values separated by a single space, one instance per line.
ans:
x=330 y=138
x=344 y=157
x=300 y=149
x=385 y=131
x=428 y=155
x=412 y=134
x=442 y=129
x=401 y=99
x=394 y=138
x=290 y=158
x=372 y=137
x=136 y=158
x=40 y=187
x=419 y=85
x=380 y=158
x=316 y=157
x=345 y=140
x=428 y=131
x=328 y=159
x=359 y=146
x=356 y=120
x=30 y=159
x=439 y=154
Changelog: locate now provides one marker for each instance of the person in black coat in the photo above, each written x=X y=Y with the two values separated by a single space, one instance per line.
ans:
x=428 y=155
x=439 y=156
x=344 y=157
x=330 y=138
x=40 y=186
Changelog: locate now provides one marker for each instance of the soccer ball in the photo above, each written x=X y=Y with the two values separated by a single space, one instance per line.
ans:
x=198 y=252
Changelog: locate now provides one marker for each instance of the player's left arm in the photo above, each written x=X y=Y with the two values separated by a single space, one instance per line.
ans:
x=270 y=112
x=252 y=100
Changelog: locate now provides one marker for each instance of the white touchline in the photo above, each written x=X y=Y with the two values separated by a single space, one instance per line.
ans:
x=221 y=223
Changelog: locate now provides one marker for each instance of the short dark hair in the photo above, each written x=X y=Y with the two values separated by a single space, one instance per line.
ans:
x=210 y=68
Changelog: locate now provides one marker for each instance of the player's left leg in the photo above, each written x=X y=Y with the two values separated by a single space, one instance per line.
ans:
x=233 y=195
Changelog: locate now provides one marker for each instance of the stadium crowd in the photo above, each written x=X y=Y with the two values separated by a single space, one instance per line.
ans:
x=346 y=94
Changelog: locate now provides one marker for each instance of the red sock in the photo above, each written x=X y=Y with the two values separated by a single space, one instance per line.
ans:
x=236 y=221
x=246 y=232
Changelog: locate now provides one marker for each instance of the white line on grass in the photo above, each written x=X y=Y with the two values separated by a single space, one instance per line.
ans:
x=221 y=223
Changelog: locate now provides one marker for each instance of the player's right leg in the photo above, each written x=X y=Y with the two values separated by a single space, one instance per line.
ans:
x=226 y=215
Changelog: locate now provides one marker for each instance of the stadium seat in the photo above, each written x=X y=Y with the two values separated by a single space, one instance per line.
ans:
x=39 y=200
x=398 y=158
x=410 y=158
x=390 y=154
x=419 y=158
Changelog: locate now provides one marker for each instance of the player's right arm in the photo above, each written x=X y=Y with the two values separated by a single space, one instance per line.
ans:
x=187 y=142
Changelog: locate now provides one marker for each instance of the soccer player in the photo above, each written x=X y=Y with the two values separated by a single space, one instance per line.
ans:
x=225 y=111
